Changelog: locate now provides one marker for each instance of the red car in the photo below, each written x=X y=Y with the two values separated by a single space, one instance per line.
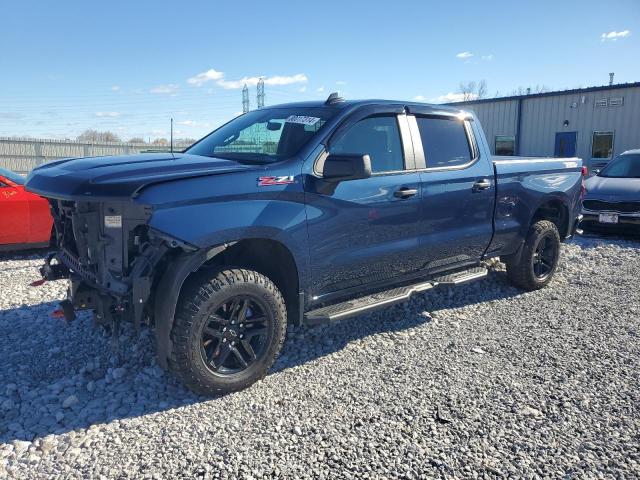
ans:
x=25 y=219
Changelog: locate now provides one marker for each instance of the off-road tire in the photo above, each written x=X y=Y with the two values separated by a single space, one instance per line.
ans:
x=199 y=295
x=521 y=273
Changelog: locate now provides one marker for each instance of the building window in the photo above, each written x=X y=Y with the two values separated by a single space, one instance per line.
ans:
x=602 y=145
x=505 y=145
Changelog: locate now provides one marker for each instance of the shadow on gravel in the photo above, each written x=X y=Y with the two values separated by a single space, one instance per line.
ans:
x=56 y=377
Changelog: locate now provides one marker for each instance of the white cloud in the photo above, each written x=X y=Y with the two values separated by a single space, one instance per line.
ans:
x=192 y=123
x=303 y=89
x=454 y=97
x=253 y=81
x=341 y=82
x=204 y=77
x=169 y=89
x=487 y=57
x=464 y=55
x=419 y=98
x=613 y=36
x=115 y=88
x=320 y=89
x=107 y=114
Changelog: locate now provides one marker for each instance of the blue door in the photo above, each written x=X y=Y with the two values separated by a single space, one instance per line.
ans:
x=364 y=231
x=566 y=144
x=458 y=192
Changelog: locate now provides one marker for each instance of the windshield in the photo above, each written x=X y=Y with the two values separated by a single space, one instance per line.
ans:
x=12 y=176
x=625 y=166
x=264 y=135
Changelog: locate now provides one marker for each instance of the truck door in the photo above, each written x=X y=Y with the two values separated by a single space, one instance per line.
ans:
x=458 y=190
x=365 y=231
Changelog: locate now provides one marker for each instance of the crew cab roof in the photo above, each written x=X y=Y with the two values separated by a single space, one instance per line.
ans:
x=350 y=104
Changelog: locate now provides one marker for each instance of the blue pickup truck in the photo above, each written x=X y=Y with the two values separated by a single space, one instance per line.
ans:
x=306 y=213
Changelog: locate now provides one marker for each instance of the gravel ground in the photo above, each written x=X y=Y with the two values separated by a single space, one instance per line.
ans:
x=481 y=380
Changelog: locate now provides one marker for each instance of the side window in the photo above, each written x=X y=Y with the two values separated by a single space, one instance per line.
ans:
x=377 y=137
x=444 y=141
x=2 y=184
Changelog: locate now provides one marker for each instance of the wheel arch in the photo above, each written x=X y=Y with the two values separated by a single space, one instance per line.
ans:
x=556 y=210
x=268 y=256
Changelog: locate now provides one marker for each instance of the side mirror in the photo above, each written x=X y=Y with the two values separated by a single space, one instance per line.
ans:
x=346 y=167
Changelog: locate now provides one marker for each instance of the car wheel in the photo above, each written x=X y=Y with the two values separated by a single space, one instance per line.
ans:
x=228 y=330
x=539 y=258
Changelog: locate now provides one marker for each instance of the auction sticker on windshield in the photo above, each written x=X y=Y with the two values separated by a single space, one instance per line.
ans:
x=303 y=119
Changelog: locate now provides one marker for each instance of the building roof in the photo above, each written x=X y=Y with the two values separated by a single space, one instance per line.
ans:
x=617 y=86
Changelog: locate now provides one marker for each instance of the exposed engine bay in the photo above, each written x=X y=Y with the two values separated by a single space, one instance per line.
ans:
x=110 y=255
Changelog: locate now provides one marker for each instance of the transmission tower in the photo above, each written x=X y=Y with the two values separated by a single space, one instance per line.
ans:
x=245 y=99
x=260 y=93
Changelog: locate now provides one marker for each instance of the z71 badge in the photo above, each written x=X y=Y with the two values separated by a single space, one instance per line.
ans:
x=268 y=181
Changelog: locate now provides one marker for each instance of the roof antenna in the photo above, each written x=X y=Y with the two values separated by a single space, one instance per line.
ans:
x=334 y=98
x=171 y=134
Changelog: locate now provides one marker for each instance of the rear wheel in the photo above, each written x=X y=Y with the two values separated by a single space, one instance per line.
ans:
x=228 y=330
x=539 y=258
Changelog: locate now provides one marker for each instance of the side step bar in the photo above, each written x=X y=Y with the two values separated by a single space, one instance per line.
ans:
x=463 y=276
x=351 y=308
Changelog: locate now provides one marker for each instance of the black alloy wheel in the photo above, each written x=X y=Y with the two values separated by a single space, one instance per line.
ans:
x=235 y=335
x=545 y=256
x=534 y=266
x=228 y=330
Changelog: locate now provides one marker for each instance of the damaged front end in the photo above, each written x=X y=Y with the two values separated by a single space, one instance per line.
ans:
x=111 y=257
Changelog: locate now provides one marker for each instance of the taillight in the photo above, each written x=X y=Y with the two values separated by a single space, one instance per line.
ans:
x=583 y=185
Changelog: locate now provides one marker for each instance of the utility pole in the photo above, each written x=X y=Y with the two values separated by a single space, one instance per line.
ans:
x=245 y=99
x=260 y=93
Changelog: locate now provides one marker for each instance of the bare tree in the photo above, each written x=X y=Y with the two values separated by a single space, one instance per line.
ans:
x=481 y=90
x=136 y=140
x=473 y=90
x=94 y=136
x=160 y=141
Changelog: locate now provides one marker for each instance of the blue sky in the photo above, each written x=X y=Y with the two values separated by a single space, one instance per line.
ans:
x=128 y=66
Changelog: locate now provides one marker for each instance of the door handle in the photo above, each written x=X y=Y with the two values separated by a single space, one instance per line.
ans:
x=405 y=192
x=481 y=185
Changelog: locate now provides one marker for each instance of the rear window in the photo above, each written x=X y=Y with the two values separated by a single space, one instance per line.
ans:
x=444 y=141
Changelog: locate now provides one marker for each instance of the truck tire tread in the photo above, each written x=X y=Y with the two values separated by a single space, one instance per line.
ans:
x=520 y=273
x=195 y=295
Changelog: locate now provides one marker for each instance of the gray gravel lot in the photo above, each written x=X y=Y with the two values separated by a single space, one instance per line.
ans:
x=476 y=381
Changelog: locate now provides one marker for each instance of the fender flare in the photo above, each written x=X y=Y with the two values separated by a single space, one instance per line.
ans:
x=168 y=292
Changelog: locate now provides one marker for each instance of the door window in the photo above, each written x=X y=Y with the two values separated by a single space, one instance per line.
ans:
x=378 y=137
x=445 y=142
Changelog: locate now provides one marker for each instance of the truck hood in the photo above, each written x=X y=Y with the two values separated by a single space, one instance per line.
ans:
x=608 y=188
x=97 y=178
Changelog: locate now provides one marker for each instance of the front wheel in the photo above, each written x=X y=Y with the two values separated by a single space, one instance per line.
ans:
x=228 y=330
x=539 y=258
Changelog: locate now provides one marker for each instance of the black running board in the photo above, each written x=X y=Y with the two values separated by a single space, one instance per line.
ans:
x=463 y=276
x=358 y=306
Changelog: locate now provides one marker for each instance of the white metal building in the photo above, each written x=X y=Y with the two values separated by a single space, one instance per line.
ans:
x=593 y=123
